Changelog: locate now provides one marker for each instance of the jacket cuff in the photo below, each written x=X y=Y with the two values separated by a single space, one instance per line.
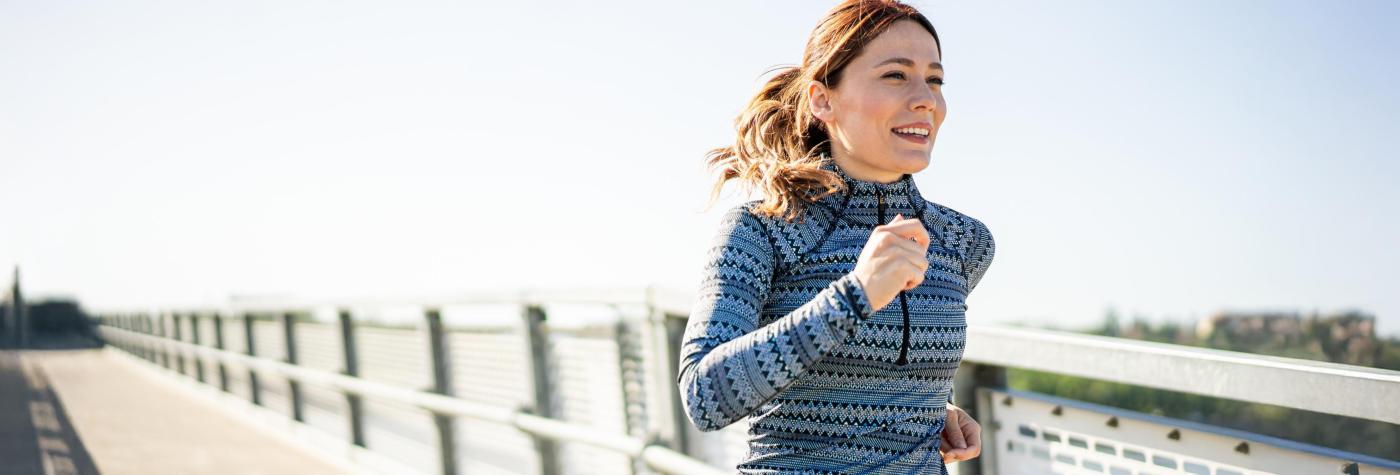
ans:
x=849 y=288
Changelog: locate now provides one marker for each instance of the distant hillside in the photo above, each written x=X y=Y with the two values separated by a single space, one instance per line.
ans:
x=1343 y=337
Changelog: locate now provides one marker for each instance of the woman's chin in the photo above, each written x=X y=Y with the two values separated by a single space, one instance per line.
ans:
x=912 y=161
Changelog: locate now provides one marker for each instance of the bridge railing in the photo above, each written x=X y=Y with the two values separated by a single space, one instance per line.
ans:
x=1025 y=432
x=1035 y=433
x=262 y=352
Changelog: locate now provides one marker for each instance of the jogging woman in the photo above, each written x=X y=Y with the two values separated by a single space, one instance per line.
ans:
x=831 y=313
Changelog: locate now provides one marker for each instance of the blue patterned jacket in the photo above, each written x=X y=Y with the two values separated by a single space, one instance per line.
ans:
x=782 y=332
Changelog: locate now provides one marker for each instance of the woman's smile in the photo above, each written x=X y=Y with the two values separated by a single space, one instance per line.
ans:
x=916 y=132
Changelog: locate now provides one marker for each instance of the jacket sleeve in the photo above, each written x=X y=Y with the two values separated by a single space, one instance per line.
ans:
x=729 y=366
x=979 y=256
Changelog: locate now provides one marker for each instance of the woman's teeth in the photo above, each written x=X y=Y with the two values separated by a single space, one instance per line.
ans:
x=913 y=131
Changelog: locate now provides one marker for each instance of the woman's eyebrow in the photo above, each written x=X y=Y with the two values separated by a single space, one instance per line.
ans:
x=910 y=63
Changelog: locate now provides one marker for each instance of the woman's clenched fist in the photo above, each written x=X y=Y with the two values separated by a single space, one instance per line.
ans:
x=894 y=259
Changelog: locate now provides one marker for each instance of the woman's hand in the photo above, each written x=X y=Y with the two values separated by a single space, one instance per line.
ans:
x=962 y=436
x=894 y=259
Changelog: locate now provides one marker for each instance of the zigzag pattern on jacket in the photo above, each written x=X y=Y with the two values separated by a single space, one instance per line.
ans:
x=782 y=332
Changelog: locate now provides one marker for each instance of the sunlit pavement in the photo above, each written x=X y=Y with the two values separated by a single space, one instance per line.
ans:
x=87 y=412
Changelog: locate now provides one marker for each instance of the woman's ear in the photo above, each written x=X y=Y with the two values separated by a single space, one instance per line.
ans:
x=819 y=100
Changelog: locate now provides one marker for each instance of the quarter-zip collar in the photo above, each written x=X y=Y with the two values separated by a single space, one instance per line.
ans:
x=862 y=200
x=871 y=203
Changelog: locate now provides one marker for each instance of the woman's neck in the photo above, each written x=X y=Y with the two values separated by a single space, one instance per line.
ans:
x=862 y=171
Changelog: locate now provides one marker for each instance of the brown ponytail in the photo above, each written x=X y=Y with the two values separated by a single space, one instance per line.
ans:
x=780 y=145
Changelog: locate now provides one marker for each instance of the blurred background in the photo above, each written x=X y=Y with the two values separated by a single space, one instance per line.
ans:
x=1164 y=159
x=1208 y=174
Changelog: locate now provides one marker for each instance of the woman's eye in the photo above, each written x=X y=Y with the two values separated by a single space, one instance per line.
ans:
x=899 y=75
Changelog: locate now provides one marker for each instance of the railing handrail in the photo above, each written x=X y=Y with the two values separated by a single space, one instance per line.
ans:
x=1354 y=391
x=663 y=300
x=656 y=456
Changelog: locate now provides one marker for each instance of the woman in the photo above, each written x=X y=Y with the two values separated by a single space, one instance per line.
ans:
x=831 y=313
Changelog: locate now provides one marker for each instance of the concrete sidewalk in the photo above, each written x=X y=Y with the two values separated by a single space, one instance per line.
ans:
x=126 y=422
x=36 y=435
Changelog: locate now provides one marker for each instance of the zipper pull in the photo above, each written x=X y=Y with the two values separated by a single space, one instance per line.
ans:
x=880 y=195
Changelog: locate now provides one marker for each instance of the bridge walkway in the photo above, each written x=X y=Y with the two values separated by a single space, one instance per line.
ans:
x=90 y=411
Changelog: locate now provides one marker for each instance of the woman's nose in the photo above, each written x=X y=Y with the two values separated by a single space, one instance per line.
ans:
x=924 y=100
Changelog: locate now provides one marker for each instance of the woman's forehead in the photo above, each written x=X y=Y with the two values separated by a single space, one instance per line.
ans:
x=904 y=39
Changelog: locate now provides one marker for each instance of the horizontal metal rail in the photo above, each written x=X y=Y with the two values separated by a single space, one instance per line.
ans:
x=1331 y=388
x=655 y=456
x=671 y=302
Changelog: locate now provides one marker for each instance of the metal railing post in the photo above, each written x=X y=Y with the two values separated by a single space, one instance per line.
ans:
x=164 y=349
x=442 y=384
x=969 y=379
x=117 y=321
x=112 y=320
x=136 y=349
x=254 y=390
x=631 y=373
x=353 y=403
x=124 y=322
x=665 y=331
x=148 y=325
x=139 y=322
x=535 y=337
x=219 y=343
x=178 y=335
x=289 y=335
x=138 y=325
x=194 y=339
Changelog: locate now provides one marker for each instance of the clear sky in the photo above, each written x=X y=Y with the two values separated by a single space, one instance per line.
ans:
x=1168 y=159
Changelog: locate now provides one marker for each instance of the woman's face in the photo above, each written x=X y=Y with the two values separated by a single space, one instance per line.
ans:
x=885 y=111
